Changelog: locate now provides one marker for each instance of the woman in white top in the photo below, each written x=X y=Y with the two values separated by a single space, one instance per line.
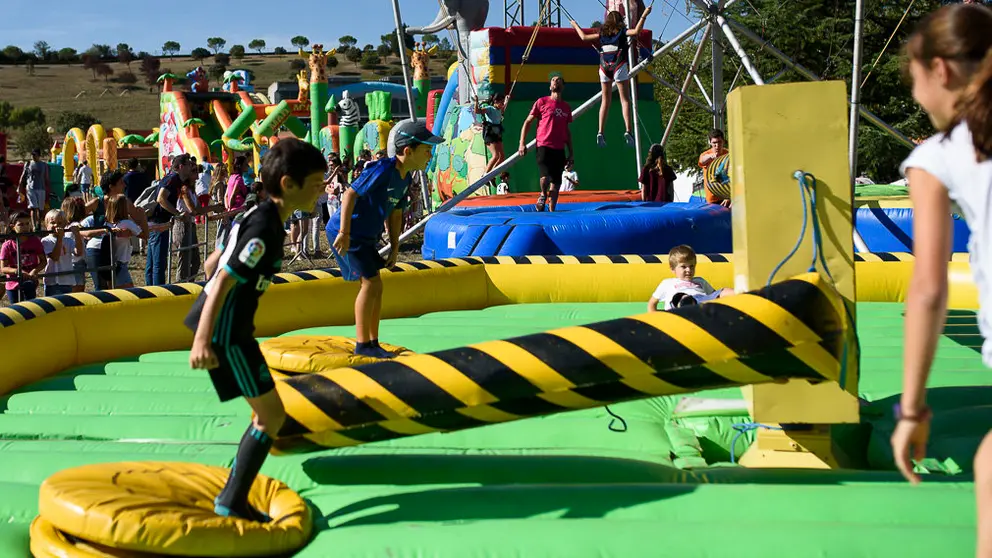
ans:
x=950 y=60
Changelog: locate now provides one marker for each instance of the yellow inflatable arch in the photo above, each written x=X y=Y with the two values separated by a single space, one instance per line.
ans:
x=94 y=140
x=74 y=145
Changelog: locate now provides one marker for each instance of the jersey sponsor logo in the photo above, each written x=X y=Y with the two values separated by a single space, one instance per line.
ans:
x=252 y=253
x=262 y=284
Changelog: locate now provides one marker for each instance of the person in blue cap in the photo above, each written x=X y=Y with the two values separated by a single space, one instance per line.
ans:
x=374 y=201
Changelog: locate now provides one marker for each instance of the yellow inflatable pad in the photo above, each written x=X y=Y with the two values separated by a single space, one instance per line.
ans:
x=306 y=354
x=49 y=542
x=167 y=508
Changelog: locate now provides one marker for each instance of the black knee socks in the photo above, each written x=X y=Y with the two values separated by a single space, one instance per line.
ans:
x=252 y=451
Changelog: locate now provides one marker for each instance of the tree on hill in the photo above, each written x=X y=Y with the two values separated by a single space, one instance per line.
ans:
x=237 y=52
x=6 y=110
x=216 y=44
x=125 y=57
x=105 y=71
x=297 y=64
x=170 y=48
x=390 y=39
x=354 y=56
x=223 y=59
x=102 y=51
x=42 y=49
x=370 y=59
x=26 y=116
x=596 y=24
x=431 y=39
x=13 y=53
x=67 y=55
x=199 y=53
x=445 y=45
x=90 y=62
x=332 y=62
x=347 y=42
x=300 y=41
x=32 y=137
x=258 y=45
x=124 y=47
x=68 y=120
x=150 y=69
x=383 y=50
x=279 y=50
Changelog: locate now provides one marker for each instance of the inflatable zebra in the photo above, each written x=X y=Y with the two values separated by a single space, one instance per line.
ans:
x=349 y=118
x=348 y=110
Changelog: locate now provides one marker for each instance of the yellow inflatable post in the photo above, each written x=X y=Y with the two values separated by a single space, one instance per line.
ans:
x=775 y=131
x=73 y=145
x=94 y=140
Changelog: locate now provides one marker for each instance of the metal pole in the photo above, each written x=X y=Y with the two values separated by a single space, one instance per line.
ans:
x=515 y=157
x=113 y=262
x=805 y=72
x=855 y=91
x=717 y=67
x=682 y=92
x=736 y=45
x=699 y=83
x=401 y=47
x=634 y=51
x=685 y=84
x=168 y=247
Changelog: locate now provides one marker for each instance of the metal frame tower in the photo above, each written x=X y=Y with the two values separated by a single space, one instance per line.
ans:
x=514 y=14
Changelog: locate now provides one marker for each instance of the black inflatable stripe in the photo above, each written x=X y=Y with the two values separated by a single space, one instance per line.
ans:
x=887 y=257
x=585 y=259
x=805 y=301
x=23 y=311
x=335 y=401
x=552 y=259
x=410 y=386
x=105 y=296
x=6 y=321
x=44 y=304
x=485 y=370
x=292 y=428
x=568 y=359
x=142 y=294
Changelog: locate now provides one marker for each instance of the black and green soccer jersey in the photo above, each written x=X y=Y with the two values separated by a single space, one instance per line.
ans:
x=252 y=254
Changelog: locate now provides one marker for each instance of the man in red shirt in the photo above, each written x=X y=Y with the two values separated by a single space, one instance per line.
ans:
x=553 y=117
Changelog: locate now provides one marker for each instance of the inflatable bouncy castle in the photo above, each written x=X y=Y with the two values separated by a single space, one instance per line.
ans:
x=498 y=63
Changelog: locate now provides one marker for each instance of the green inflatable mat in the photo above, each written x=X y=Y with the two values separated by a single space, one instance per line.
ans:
x=563 y=485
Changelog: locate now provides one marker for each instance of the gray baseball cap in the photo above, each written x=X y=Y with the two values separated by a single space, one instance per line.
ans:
x=412 y=133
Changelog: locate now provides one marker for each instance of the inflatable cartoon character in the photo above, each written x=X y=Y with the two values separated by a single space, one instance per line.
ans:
x=199 y=81
x=243 y=81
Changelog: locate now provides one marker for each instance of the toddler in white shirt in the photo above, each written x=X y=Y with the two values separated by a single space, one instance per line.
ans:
x=685 y=288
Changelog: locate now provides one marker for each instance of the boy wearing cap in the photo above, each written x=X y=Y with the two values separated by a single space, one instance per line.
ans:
x=375 y=200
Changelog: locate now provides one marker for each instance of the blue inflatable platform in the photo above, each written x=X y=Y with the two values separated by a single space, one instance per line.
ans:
x=606 y=228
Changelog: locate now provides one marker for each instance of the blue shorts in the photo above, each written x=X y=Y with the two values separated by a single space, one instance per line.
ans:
x=361 y=261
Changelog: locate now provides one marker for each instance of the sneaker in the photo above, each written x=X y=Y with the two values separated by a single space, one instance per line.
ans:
x=249 y=513
x=600 y=140
x=629 y=139
x=683 y=299
x=383 y=353
x=540 y=202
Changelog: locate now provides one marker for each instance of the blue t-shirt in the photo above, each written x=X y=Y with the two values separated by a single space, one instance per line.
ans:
x=380 y=190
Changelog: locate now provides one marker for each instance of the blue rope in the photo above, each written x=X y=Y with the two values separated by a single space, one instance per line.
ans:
x=802 y=234
x=743 y=428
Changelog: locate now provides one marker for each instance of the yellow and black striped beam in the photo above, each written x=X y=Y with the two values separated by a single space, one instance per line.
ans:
x=793 y=329
x=17 y=313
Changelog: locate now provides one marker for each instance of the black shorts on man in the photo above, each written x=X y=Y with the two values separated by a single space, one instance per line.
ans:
x=551 y=163
x=252 y=255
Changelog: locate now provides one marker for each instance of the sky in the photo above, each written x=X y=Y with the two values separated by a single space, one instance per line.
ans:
x=146 y=25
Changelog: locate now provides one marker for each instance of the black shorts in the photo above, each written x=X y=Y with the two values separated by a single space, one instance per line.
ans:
x=242 y=371
x=361 y=261
x=492 y=133
x=551 y=163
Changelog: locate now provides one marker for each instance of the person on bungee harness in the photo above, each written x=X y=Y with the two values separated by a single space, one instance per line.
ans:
x=614 y=66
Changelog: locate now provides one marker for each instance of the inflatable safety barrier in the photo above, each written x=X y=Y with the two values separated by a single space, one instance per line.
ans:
x=471 y=283
x=574 y=196
x=628 y=227
x=792 y=329
x=161 y=508
x=306 y=354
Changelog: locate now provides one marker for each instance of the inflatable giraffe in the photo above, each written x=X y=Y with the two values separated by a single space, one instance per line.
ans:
x=317 y=61
x=420 y=58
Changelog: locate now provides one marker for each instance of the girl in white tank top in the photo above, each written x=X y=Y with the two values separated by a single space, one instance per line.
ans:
x=950 y=60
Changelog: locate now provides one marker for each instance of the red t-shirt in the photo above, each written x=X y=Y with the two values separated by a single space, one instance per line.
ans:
x=553 y=118
x=32 y=253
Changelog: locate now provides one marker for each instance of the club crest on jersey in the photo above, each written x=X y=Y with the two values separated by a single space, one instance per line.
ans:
x=252 y=253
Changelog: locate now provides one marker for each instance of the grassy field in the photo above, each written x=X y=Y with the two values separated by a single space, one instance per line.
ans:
x=57 y=88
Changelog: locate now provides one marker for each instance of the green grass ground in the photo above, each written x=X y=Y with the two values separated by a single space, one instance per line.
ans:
x=563 y=485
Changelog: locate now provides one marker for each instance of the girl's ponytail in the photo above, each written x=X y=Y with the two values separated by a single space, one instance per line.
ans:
x=975 y=108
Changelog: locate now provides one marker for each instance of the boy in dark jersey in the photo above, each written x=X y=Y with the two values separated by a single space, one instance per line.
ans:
x=223 y=316
x=375 y=200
